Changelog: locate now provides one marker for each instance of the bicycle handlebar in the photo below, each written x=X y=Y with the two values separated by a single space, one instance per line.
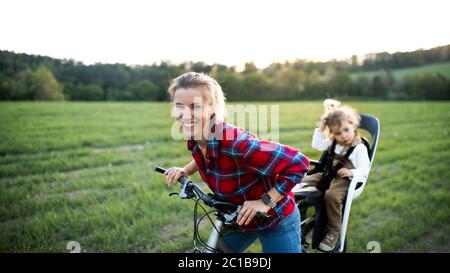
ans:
x=210 y=200
x=185 y=182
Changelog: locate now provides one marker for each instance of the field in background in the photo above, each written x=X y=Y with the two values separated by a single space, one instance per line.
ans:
x=400 y=73
x=84 y=172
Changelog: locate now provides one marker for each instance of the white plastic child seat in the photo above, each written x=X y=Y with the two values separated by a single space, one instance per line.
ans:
x=356 y=187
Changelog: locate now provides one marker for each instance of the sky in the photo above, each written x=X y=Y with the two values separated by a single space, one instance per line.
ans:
x=230 y=32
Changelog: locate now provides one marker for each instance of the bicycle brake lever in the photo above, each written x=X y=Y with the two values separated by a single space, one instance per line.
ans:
x=260 y=216
x=186 y=192
x=231 y=216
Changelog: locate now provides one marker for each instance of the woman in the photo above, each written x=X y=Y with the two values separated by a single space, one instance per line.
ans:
x=235 y=166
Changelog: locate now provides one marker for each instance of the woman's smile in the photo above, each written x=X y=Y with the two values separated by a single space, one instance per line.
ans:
x=189 y=124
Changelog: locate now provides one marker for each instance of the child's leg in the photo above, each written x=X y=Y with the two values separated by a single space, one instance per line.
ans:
x=334 y=198
x=312 y=179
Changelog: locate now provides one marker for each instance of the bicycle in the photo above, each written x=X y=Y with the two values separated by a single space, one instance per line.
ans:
x=226 y=213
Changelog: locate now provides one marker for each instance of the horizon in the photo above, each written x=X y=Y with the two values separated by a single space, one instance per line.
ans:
x=184 y=62
x=231 y=33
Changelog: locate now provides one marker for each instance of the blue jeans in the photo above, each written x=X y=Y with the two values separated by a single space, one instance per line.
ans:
x=283 y=238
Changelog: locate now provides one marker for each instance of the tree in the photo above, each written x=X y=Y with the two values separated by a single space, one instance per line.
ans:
x=48 y=88
x=23 y=77
x=232 y=84
x=250 y=68
x=143 y=90
x=341 y=84
x=7 y=88
x=289 y=83
x=364 y=85
x=354 y=65
x=382 y=83
x=256 y=86
x=427 y=86
x=82 y=92
x=379 y=86
x=39 y=84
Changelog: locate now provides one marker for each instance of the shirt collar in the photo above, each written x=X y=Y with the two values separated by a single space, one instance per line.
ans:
x=212 y=146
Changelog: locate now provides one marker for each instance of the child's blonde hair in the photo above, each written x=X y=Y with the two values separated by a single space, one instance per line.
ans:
x=212 y=90
x=335 y=115
x=330 y=104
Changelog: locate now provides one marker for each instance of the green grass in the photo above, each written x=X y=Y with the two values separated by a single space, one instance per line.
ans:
x=441 y=68
x=84 y=172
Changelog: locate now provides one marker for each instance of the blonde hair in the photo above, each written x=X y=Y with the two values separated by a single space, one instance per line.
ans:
x=330 y=104
x=212 y=90
x=336 y=114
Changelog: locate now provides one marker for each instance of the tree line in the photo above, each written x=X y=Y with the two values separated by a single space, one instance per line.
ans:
x=31 y=77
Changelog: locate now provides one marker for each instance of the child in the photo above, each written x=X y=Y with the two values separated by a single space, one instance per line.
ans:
x=338 y=129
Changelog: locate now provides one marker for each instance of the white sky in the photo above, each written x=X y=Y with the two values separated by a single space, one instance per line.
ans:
x=228 y=32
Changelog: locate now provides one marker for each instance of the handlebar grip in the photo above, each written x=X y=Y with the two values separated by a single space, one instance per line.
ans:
x=160 y=170
x=182 y=179
x=263 y=216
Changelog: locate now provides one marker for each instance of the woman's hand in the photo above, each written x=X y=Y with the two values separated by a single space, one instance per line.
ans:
x=173 y=174
x=249 y=210
x=343 y=172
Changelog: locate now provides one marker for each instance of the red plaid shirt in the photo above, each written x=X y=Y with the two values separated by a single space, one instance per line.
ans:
x=240 y=167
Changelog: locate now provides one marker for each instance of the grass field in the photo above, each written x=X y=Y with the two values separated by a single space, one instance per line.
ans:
x=441 y=68
x=84 y=172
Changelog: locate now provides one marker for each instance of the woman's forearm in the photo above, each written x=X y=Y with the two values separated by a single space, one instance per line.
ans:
x=190 y=168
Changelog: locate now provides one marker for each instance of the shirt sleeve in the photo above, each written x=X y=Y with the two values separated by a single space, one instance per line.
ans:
x=361 y=162
x=268 y=158
x=319 y=142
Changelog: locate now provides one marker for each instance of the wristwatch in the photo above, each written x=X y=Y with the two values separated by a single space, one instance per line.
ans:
x=268 y=200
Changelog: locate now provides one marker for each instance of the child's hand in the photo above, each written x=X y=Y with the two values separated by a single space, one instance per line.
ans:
x=343 y=172
x=322 y=124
